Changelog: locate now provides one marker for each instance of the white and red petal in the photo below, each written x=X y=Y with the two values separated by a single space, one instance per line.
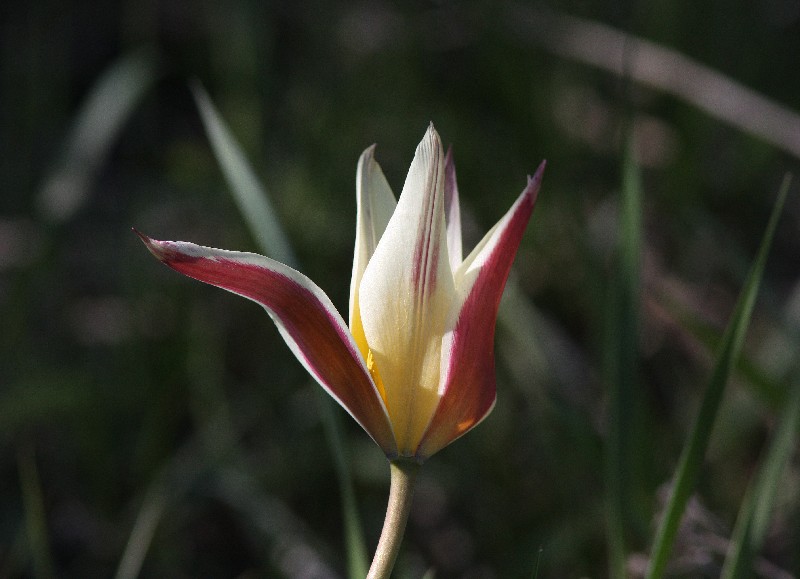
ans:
x=467 y=387
x=405 y=296
x=305 y=317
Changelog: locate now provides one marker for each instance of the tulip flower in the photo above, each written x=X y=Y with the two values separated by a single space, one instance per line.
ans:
x=415 y=365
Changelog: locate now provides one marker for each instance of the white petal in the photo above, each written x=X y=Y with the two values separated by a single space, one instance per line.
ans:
x=405 y=296
x=375 y=205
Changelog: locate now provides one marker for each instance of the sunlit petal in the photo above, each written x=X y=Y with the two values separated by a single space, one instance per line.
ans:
x=306 y=318
x=468 y=378
x=405 y=296
x=375 y=204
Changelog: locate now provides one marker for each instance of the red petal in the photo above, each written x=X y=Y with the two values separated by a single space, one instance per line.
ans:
x=469 y=389
x=307 y=320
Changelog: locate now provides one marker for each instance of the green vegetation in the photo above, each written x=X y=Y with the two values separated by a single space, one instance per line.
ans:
x=155 y=427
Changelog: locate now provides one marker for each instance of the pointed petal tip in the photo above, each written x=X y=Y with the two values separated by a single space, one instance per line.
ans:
x=149 y=242
x=369 y=152
x=539 y=174
x=432 y=134
x=161 y=250
x=535 y=182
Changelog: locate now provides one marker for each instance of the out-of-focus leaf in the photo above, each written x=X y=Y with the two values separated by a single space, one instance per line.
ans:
x=248 y=192
x=621 y=362
x=297 y=552
x=755 y=512
x=756 y=509
x=141 y=535
x=357 y=557
x=103 y=114
x=662 y=68
x=259 y=214
x=695 y=449
x=35 y=518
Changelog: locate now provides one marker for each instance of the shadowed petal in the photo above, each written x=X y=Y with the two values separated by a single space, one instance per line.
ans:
x=375 y=204
x=405 y=297
x=452 y=211
x=468 y=378
x=305 y=317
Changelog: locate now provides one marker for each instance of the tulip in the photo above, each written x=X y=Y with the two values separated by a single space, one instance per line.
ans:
x=415 y=367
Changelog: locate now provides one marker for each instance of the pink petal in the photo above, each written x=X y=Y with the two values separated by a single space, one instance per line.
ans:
x=305 y=317
x=468 y=384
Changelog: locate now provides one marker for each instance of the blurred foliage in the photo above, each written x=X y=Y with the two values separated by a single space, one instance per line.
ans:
x=128 y=391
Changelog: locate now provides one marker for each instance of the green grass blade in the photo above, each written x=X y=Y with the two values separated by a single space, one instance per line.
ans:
x=248 y=192
x=104 y=112
x=141 y=536
x=260 y=216
x=756 y=509
x=754 y=515
x=695 y=449
x=357 y=556
x=35 y=517
x=621 y=355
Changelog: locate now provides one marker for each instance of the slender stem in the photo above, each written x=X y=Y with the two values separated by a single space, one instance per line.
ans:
x=401 y=491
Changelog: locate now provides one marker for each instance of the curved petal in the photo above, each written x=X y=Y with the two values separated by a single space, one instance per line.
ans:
x=468 y=380
x=452 y=211
x=375 y=204
x=306 y=318
x=405 y=297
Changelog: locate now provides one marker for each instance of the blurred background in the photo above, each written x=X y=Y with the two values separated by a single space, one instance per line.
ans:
x=152 y=425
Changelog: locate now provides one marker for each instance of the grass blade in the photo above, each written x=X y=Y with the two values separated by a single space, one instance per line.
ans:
x=35 y=517
x=695 y=449
x=260 y=216
x=140 y=538
x=102 y=116
x=357 y=557
x=248 y=192
x=754 y=515
x=620 y=364
x=756 y=509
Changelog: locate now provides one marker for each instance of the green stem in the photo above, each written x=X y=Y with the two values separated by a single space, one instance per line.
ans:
x=401 y=491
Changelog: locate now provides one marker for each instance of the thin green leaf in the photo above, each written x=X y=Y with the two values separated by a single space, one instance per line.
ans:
x=147 y=519
x=754 y=515
x=271 y=519
x=695 y=449
x=621 y=354
x=248 y=192
x=104 y=112
x=538 y=560
x=357 y=556
x=35 y=517
x=756 y=509
x=255 y=207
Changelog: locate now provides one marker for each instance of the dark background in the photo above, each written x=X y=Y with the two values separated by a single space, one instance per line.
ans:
x=125 y=387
